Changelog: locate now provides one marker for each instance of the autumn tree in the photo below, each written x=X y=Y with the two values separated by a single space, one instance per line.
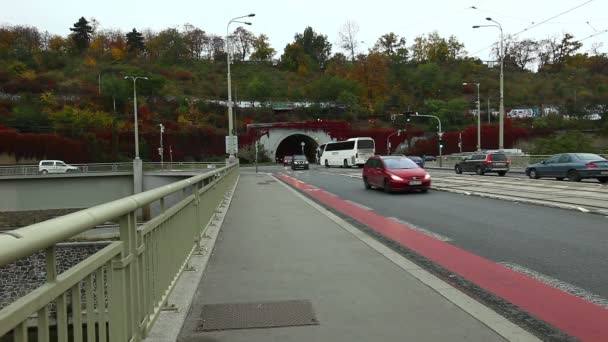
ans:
x=135 y=42
x=241 y=41
x=196 y=40
x=347 y=37
x=392 y=46
x=81 y=35
x=262 y=51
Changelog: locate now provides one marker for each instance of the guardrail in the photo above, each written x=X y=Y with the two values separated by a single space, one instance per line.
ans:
x=517 y=161
x=32 y=170
x=118 y=292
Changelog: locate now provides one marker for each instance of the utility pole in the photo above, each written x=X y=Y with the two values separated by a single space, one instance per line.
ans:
x=160 y=149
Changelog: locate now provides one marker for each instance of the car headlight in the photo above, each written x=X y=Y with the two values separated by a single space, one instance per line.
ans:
x=397 y=178
x=427 y=176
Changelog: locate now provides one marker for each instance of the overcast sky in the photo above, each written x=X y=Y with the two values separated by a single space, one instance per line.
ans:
x=280 y=20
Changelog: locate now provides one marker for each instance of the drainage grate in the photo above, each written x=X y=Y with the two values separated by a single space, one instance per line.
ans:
x=257 y=315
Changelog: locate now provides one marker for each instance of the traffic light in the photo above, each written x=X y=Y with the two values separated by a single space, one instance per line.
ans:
x=372 y=121
x=441 y=143
x=408 y=116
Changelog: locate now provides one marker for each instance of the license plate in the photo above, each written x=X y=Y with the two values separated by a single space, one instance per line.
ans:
x=415 y=182
x=604 y=172
x=499 y=164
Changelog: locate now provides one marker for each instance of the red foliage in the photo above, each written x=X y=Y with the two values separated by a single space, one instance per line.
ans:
x=40 y=146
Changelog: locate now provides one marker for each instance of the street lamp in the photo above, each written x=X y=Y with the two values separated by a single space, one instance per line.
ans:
x=160 y=149
x=501 y=109
x=303 y=144
x=231 y=143
x=135 y=78
x=478 y=116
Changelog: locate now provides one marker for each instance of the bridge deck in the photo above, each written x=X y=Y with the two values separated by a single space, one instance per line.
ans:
x=274 y=246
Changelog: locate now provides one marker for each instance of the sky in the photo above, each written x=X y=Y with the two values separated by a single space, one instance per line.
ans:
x=281 y=20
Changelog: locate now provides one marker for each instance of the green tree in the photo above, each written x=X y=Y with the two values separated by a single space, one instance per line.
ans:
x=135 y=42
x=567 y=142
x=28 y=118
x=259 y=88
x=315 y=45
x=393 y=47
x=81 y=35
x=262 y=52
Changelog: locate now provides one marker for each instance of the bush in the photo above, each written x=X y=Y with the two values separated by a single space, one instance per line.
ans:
x=247 y=154
x=573 y=141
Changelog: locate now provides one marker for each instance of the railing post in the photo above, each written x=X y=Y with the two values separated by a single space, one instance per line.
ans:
x=197 y=205
x=124 y=296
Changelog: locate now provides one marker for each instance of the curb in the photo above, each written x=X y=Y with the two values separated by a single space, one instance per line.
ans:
x=169 y=323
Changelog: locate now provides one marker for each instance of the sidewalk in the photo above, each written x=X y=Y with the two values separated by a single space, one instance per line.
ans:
x=274 y=246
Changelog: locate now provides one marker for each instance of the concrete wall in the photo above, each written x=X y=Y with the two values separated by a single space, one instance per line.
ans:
x=62 y=191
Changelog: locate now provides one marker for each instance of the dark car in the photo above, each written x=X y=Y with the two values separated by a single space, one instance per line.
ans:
x=574 y=166
x=429 y=158
x=395 y=173
x=299 y=162
x=419 y=161
x=287 y=160
x=482 y=163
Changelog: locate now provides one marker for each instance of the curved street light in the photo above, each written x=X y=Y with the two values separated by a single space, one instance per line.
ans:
x=231 y=147
x=136 y=124
x=501 y=110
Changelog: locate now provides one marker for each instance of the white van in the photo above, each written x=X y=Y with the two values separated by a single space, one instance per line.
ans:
x=55 y=166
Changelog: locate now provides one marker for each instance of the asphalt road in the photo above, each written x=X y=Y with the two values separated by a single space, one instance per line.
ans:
x=566 y=245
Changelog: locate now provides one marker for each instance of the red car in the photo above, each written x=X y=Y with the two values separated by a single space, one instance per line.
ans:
x=395 y=173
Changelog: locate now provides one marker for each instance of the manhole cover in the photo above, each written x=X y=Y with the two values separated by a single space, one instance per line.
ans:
x=257 y=315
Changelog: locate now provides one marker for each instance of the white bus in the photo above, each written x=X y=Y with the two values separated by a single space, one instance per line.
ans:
x=354 y=151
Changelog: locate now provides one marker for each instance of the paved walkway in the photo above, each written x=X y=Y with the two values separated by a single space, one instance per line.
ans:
x=275 y=246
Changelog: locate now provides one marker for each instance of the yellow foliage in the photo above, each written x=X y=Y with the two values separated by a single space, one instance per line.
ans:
x=28 y=75
x=117 y=53
x=90 y=61
x=183 y=121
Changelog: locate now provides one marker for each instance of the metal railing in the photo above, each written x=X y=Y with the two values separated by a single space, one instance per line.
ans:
x=117 y=293
x=33 y=170
x=517 y=161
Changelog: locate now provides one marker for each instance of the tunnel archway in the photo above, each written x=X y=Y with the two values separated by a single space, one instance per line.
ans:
x=292 y=144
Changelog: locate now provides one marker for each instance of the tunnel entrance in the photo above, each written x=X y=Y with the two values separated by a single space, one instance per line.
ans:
x=293 y=145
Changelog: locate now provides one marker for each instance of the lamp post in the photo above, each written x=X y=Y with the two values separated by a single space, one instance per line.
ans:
x=231 y=147
x=303 y=144
x=478 y=116
x=160 y=150
x=136 y=124
x=501 y=108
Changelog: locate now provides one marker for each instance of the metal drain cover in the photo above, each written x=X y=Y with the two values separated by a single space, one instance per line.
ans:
x=257 y=315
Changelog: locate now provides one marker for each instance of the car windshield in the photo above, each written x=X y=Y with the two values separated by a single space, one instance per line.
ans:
x=415 y=159
x=299 y=157
x=588 y=156
x=399 y=163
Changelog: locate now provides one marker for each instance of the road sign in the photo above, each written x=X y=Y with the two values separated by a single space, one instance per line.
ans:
x=440 y=134
x=160 y=151
x=232 y=145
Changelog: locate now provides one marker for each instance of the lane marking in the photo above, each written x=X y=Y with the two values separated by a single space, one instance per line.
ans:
x=493 y=320
x=571 y=314
x=423 y=230
x=562 y=285
x=583 y=209
x=359 y=205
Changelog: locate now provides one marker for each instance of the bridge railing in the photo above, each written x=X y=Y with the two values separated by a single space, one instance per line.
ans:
x=117 y=293
x=32 y=170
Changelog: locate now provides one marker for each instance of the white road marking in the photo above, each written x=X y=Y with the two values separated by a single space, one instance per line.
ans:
x=583 y=209
x=359 y=205
x=422 y=230
x=558 y=284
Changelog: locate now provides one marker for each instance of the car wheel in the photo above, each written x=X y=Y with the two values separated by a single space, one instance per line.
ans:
x=387 y=186
x=502 y=173
x=326 y=163
x=424 y=191
x=345 y=163
x=602 y=179
x=533 y=174
x=457 y=169
x=367 y=186
x=44 y=172
x=559 y=178
x=573 y=176
x=479 y=171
